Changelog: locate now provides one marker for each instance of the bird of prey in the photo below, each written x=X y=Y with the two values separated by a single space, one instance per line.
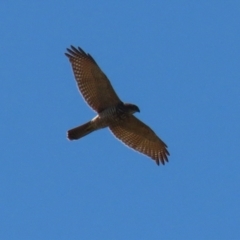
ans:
x=98 y=92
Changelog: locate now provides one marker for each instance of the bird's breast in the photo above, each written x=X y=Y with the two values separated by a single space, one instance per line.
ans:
x=110 y=115
x=113 y=112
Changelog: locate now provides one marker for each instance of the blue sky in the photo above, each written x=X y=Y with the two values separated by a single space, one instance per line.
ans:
x=179 y=62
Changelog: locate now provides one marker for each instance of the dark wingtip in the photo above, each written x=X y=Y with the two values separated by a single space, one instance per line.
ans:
x=73 y=51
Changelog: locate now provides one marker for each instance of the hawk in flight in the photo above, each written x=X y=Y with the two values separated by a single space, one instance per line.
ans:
x=111 y=111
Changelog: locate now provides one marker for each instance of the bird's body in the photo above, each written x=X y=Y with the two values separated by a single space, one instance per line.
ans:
x=112 y=112
x=108 y=117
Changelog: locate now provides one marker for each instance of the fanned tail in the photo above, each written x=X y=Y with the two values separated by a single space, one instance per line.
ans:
x=80 y=131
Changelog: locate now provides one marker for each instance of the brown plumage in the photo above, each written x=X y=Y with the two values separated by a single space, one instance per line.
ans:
x=112 y=112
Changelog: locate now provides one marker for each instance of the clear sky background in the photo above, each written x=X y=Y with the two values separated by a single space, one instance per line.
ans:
x=179 y=61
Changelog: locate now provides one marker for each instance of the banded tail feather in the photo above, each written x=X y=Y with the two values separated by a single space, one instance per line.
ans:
x=80 y=131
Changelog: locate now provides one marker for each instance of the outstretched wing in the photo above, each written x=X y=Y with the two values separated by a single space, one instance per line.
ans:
x=92 y=82
x=140 y=137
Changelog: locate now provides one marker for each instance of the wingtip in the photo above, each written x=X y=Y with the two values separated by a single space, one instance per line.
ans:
x=73 y=52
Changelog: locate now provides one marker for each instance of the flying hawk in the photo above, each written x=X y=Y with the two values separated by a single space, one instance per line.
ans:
x=111 y=111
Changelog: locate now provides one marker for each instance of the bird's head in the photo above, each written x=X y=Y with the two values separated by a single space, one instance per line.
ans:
x=131 y=108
